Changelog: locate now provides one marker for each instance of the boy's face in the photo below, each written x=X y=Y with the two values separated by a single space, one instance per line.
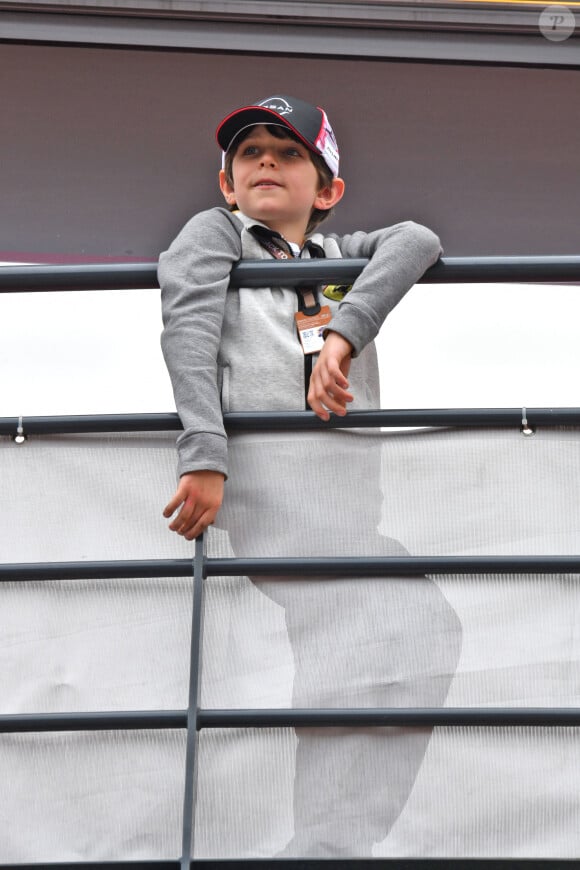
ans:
x=275 y=182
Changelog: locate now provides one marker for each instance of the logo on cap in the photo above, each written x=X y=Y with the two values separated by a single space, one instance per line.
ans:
x=277 y=104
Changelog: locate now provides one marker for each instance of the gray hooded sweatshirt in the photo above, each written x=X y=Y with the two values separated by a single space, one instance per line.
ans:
x=238 y=349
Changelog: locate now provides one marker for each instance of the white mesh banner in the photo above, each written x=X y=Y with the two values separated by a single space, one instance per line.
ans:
x=455 y=641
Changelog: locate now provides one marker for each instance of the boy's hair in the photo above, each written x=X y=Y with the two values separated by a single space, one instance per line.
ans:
x=325 y=176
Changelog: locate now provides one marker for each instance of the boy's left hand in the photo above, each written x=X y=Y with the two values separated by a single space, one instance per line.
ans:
x=199 y=496
x=328 y=389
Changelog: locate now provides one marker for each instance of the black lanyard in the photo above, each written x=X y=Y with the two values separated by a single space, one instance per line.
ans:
x=274 y=243
x=308 y=302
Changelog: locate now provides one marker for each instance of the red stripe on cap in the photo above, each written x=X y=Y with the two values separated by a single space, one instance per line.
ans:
x=279 y=118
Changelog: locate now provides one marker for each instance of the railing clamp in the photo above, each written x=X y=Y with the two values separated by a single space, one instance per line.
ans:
x=20 y=437
x=526 y=429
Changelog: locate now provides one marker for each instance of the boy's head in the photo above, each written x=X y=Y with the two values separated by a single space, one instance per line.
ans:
x=266 y=127
x=308 y=123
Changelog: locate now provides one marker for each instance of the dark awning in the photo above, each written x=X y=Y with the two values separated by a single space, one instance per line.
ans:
x=468 y=126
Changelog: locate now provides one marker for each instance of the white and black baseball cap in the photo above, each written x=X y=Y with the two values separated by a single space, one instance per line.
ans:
x=309 y=123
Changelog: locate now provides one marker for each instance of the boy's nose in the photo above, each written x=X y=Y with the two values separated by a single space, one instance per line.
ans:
x=268 y=159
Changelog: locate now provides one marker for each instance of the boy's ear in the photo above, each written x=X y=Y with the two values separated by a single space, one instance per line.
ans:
x=328 y=196
x=226 y=188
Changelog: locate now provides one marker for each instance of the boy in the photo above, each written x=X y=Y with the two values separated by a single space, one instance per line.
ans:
x=209 y=246
x=240 y=351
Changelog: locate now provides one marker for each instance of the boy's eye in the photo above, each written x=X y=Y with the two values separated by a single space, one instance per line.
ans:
x=289 y=151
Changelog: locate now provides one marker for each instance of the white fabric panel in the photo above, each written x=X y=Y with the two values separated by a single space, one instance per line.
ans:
x=455 y=641
x=78 y=795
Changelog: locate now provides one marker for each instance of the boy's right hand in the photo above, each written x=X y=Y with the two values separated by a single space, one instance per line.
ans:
x=200 y=495
x=328 y=389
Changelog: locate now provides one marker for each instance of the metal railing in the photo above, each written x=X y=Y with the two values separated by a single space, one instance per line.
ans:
x=259 y=273
x=195 y=718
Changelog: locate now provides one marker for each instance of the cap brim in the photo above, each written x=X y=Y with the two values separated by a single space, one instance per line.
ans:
x=249 y=116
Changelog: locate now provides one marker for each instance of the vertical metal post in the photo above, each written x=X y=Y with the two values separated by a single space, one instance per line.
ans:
x=189 y=797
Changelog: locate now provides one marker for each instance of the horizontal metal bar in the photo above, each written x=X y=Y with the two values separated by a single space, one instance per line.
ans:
x=97 y=865
x=298 y=569
x=90 y=424
x=388 y=566
x=134 y=720
x=385 y=863
x=447 y=270
x=359 y=717
x=413 y=717
x=257 y=273
x=89 y=276
x=119 y=570
x=318 y=864
x=307 y=420
x=294 y=421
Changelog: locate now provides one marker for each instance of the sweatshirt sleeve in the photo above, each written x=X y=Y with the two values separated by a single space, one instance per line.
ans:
x=194 y=275
x=398 y=257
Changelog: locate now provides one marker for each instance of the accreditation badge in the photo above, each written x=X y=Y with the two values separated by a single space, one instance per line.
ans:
x=311 y=329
